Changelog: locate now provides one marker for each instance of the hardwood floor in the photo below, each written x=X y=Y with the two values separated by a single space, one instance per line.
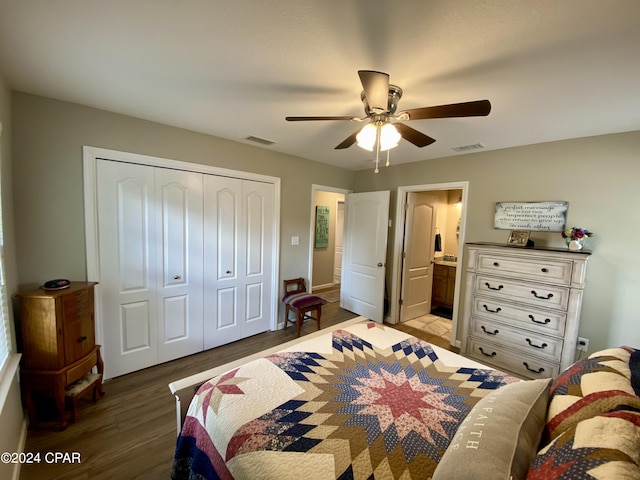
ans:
x=130 y=433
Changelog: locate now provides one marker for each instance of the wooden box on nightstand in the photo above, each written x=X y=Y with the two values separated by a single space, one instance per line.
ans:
x=58 y=345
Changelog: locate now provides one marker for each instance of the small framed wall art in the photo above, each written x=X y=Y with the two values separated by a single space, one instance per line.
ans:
x=322 y=227
x=519 y=238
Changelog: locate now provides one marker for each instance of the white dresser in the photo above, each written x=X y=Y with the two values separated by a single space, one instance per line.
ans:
x=522 y=307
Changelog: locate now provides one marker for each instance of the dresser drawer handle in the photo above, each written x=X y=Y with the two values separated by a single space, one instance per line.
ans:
x=495 y=332
x=533 y=319
x=526 y=365
x=535 y=294
x=544 y=270
x=499 y=287
x=497 y=310
x=82 y=339
x=496 y=264
x=544 y=345
x=492 y=354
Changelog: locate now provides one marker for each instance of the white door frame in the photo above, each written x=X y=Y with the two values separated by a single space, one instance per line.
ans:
x=90 y=158
x=396 y=273
x=312 y=224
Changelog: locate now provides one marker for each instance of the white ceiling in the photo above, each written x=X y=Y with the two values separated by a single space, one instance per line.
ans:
x=552 y=69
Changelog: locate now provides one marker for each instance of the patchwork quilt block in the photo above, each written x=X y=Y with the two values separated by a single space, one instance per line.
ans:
x=595 y=385
x=604 y=447
x=359 y=406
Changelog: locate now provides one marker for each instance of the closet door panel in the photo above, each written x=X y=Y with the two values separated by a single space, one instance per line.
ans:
x=223 y=260
x=226 y=312
x=176 y=318
x=258 y=214
x=226 y=219
x=127 y=238
x=255 y=302
x=179 y=263
x=135 y=325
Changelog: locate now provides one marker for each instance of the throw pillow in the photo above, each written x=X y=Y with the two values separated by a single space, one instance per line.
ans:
x=594 y=385
x=605 y=446
x=500 y=436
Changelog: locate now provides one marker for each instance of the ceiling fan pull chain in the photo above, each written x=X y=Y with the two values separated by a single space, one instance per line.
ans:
x=387 y=158
x=377 y=149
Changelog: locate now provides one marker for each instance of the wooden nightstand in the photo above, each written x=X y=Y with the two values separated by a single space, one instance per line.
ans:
x=58 y=345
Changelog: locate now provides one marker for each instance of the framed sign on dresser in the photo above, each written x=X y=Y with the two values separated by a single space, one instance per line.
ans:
x=522 y=307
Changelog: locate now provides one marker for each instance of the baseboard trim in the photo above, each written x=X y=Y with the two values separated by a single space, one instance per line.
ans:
x=22 y=443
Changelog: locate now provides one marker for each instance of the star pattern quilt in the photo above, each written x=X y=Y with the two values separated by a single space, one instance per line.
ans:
x=362 y=402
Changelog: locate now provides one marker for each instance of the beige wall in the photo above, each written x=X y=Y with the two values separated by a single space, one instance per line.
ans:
x=323 y=258
x=11 y=414
x=48 y=138
x=598 y=176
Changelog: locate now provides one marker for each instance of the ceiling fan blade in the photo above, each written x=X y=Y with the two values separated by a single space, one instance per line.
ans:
x=347 y=142
x=478 y=108
x=376 y=89
x=412 y=135
x=306 y=119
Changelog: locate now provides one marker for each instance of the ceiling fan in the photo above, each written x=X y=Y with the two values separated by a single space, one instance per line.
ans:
x=380 y=103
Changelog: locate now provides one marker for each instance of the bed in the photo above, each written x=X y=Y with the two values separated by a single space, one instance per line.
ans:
x=358 y=400
x=362 y=400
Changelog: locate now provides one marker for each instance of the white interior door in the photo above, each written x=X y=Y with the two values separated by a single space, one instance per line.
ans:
x=237 y=258
x=365 y=250
x=179 y=263
x=417 y=269
x=127 y=239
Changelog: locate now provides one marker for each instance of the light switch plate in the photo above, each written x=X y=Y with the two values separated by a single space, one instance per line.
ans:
x=295 y=240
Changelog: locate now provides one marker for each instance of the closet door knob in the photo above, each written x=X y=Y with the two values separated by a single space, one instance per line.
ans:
x=228 y=272
x=177 y=277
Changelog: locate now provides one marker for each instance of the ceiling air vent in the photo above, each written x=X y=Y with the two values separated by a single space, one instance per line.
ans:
x=468 y=148
x=263 y=141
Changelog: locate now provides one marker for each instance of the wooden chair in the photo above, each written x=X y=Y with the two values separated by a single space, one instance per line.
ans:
x=303 y=304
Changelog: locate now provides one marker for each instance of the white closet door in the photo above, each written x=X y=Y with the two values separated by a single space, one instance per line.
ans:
x=258 y=201
x=179 y=263
x=127 y=239
x=238 y=223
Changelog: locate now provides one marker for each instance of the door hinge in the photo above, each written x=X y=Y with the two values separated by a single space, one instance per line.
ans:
x=400 y=302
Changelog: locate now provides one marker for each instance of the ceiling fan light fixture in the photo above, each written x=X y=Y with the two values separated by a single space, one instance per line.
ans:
x=367 y=137
x=389 y=137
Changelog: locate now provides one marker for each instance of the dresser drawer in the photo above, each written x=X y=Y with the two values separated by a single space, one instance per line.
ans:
x=526 y=366
x=548 y=322
x=530 y=343
x=539 y=270
x=77 y=305
x=81 y=368
x=550 y=296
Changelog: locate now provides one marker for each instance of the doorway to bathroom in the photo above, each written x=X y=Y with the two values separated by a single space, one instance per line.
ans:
x=428 y=243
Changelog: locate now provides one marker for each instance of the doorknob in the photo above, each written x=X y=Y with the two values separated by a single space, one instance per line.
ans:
x=379 y=264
